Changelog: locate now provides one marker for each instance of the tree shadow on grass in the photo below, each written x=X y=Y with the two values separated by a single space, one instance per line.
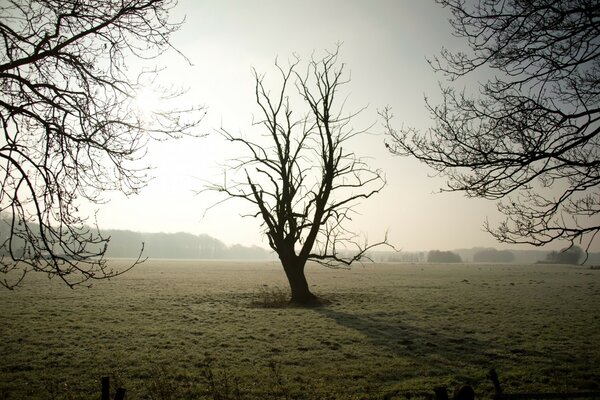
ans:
x=452 y=353
x=429 y=345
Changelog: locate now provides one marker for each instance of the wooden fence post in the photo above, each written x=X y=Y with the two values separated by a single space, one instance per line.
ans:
x=440 y=393
x=495 y=381
x=120 y=394
x=105 y=388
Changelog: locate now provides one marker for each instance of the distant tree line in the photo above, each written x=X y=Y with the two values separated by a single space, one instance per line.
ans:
x=571 y=255
x=128 y=244
x=125 y=244
x=493 y=256
x=437 y=256
x=388 y=256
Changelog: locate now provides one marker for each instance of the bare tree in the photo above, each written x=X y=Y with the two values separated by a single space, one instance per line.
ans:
x=300 y=176
x=70 y=132
x=530 y=138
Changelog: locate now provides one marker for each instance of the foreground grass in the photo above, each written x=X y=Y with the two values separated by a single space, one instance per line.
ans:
x=171 y=330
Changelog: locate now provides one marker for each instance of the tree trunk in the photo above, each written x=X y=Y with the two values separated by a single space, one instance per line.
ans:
x=301 y=294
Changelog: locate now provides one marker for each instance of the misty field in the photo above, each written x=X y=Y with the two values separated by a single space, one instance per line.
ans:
x=196 y=329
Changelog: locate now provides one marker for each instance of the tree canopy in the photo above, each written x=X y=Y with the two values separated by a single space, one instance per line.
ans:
x=528 y=137
x=69 y=128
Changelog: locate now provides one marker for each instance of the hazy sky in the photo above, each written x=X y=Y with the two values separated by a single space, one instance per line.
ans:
x=385 y=45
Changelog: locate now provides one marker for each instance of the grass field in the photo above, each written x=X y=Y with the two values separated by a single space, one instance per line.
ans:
x=192 y=329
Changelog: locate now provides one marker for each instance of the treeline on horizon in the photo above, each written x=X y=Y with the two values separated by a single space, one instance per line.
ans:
x=573 y=255
x=128 y=244
x=181 y=245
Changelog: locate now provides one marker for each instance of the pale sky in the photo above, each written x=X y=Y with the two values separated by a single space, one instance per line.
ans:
x=385 y=45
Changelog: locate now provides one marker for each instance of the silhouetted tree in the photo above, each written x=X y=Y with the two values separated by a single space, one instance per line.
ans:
x=531 y=137
x=69 y=129
x=437 y=256
x=301 y=176
x=571 y=255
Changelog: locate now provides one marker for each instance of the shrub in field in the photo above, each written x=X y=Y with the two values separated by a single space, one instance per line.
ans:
x=271 y=297
x=163 y=386
x=219 y=385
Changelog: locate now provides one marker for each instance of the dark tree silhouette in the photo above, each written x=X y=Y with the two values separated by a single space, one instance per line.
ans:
x=571 y=255
x=437 y=256
x=69 y=73
x=531 y=136
x=300 y=176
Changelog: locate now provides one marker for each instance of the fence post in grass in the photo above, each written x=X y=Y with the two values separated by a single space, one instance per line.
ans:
x=440 y=393
x=105 y=388
x=465 y=392
x=120 y=394
x=495 y=381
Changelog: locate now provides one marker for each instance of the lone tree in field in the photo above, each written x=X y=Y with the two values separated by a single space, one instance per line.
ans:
x=531 y=138
x=69 y=130
x=300 y=175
